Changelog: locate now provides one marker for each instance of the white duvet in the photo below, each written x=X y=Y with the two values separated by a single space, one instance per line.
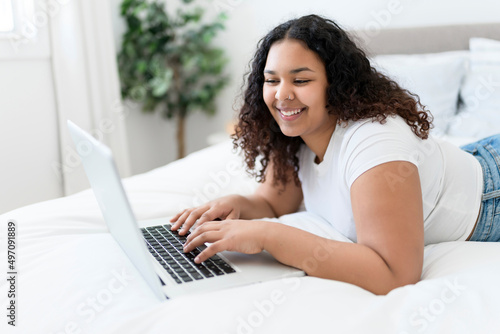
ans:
x=73 y=278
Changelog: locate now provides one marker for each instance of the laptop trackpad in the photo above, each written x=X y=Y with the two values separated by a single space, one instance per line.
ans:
x=261 y=264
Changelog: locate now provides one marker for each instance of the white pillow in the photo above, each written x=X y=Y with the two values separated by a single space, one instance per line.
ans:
x=479 y=113
x=434 y=77
x=477 y=44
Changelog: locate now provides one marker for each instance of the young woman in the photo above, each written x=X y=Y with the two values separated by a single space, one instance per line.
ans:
x=333 y=132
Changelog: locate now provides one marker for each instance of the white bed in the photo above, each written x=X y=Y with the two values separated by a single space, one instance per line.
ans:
x=73 y=277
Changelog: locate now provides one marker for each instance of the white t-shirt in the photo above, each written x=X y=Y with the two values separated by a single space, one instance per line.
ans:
x=451 y=179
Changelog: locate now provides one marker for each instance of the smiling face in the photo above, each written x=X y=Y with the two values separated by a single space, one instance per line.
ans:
x=295 y=92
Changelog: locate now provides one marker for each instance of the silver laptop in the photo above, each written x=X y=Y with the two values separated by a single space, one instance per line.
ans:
x=155 y=250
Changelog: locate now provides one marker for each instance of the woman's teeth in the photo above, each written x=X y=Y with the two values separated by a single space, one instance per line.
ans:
x=290 y=112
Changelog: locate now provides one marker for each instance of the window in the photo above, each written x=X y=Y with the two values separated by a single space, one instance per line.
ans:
x=6 y=16
x=16 y=15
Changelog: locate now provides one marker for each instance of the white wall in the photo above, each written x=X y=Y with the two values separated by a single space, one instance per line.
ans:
x=153 y=140
x=29 y=138
x=56 y=65
x=28 y=123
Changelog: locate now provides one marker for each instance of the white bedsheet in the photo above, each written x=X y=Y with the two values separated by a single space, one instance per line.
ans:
x=73 y=277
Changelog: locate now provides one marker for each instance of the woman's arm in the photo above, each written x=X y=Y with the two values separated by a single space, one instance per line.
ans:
x=271 y=200
x=387 y=206
x=267 y=202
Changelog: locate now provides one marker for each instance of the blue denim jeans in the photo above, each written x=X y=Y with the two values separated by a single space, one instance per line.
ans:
x=487 y=151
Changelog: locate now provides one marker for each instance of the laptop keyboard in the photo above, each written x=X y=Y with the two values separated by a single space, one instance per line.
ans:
x=167 y=247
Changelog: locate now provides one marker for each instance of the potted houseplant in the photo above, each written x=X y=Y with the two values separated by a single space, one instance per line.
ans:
x=168 y=63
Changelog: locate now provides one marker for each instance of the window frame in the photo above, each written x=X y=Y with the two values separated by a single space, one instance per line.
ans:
x=23 y=12
x=6 y=16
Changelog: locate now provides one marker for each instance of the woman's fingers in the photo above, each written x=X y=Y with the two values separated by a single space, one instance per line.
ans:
x=199 y=216
x=174 y=218
x=202 y=230
x=232 y=215
x=193 y=217
x=186 y=219
x=210 y=251
x=179 y=219
x=234 y=235
x=199 y=238
x=223 y=208
x=213 y=214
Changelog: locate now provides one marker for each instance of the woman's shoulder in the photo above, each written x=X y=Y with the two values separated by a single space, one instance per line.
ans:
x=370 y=137
x=390 y=123
x=392 y=127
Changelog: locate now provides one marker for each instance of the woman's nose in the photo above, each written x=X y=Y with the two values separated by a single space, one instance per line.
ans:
x=283 y=93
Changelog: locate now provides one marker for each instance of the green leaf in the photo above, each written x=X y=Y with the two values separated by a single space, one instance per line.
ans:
x=161 y=85
x=156 y=45
x=138 y=93
x=222 y=16
x=141 y=66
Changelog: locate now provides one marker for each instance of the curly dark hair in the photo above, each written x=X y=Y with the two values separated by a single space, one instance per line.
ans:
x=356 y=91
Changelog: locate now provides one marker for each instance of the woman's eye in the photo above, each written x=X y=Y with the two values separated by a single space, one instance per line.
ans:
x=297 y=82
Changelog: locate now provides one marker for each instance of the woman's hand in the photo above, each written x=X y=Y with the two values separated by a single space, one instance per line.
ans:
x=242 y=236
x=222 y=208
